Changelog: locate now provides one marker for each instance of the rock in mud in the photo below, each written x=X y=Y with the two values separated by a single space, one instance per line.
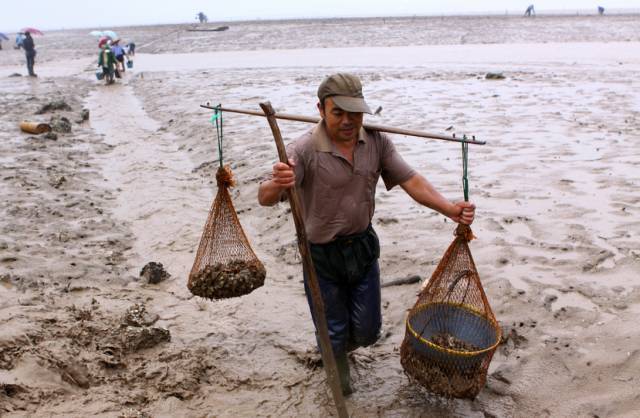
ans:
x=54 y=105
x=60 y=124
x=51 y=136
x=10 y=390
x=58 y=182
x=494 y=76
x=137 y=316
x=136 y=338
x=154 y=273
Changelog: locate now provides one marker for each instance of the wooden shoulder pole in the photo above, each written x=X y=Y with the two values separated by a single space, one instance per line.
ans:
x=470 y=139
x=303 y=245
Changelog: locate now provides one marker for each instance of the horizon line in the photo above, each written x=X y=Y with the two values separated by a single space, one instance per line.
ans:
x=505 y=13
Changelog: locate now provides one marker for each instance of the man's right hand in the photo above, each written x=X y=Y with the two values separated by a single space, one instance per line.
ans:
x=283 y=174
x=283 y=177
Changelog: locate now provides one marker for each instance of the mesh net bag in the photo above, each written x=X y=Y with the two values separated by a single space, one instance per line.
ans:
x=451 y=332
x=225 y=265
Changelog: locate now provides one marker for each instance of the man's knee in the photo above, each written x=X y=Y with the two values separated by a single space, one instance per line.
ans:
x=365 y=337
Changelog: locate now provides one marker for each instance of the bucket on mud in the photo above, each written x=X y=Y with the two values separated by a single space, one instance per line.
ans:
x=34 y=127
x=99 y=74
x=129 y=64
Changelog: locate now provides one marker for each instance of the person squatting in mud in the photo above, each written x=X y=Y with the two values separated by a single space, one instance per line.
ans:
x=335 y=167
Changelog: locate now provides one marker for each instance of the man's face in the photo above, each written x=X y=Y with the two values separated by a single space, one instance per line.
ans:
x=341 y=126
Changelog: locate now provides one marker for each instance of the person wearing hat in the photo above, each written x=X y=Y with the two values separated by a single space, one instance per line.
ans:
x=119 y=54
x=335 y=166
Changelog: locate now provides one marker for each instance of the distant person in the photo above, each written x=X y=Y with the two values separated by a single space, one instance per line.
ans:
x=202 y=18
x=29 y=52
x=600 y=10
x=119 y=54
x=107 y=61
x=131 y=49
x=19 y=40
x=530 y=11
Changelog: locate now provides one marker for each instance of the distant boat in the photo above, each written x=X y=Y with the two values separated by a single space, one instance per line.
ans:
x=218 y=29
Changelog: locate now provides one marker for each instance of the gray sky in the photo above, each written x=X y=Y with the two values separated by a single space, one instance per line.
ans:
x=58 y=14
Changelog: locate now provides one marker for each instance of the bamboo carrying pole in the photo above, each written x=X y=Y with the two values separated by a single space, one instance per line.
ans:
x=381 y=128
x=303 y=246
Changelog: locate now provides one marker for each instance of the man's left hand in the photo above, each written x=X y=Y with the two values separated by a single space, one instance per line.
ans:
x=466 y=213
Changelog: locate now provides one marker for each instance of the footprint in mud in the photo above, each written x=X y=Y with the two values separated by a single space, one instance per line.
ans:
x=494 y=226
x=513 y=336
x=288 y=253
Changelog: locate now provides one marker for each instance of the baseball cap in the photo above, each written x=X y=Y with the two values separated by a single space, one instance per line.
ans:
x=346 y=91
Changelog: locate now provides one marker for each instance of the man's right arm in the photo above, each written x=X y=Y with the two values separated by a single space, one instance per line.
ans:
x=272 y=191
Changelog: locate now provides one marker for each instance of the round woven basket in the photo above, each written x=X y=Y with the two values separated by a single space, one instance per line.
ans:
x=460 y=321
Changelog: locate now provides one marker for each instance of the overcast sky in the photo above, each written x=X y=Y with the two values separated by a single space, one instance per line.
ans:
x=59 y=14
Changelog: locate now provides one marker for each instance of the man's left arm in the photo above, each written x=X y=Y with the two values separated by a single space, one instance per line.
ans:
x=424 y=193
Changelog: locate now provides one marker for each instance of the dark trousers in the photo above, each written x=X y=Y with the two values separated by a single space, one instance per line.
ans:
x=31 y=57
x=108 y=74
x=352 y=309
x=120 y=63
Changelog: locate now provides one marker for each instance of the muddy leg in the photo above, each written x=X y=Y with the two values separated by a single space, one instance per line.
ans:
x=343 y=370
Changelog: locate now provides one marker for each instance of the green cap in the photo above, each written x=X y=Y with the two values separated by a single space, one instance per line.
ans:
x=346 y=91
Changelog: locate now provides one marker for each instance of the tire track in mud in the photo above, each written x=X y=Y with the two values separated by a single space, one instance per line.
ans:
x=157 y=193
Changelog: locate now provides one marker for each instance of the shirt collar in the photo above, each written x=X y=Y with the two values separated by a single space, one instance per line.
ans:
x=323 y=143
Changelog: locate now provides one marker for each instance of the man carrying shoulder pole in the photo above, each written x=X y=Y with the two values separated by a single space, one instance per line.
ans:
x=335 y=167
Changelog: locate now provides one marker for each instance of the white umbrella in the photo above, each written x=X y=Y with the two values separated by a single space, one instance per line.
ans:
x=111 y=34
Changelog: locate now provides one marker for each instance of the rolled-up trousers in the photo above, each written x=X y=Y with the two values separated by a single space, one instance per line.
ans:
x=351 y=308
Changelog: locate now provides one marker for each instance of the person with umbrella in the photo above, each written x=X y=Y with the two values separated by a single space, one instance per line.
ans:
x=106 y=60
x=29 y=52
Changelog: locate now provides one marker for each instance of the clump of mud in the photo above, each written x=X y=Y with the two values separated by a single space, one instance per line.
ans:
x=137 y=316
x=136 y=332
x=154 y=273
x=227 y=280
x=60 y=124
x=52 y=106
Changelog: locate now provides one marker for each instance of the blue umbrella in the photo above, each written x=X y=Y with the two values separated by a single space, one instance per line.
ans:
x=97 y=33
x=3 y=36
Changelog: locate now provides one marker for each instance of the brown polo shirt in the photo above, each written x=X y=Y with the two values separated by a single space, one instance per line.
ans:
x=338 y=198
